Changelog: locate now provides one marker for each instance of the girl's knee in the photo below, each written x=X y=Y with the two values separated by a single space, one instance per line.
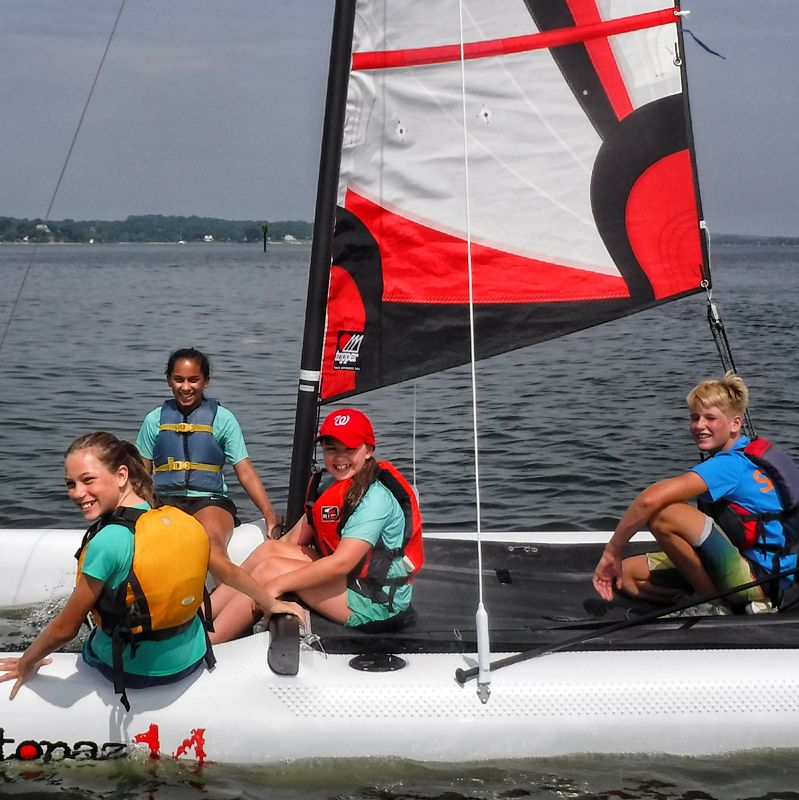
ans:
x=262 y=571
x=259 y=555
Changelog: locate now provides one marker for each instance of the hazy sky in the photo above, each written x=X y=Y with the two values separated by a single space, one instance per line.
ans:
x=214 y=107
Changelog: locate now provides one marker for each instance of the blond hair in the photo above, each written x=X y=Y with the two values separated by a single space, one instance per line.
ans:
x=728 y=394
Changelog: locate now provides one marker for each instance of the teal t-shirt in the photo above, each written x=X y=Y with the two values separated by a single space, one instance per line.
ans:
x=108 y=558
x=226 y=431
x=378 y=516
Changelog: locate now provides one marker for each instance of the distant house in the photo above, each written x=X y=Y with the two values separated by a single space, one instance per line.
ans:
x=289 y=238
x=208 y=238
x=43 y=228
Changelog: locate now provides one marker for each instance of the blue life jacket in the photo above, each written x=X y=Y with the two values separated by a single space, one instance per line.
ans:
x=186 y=455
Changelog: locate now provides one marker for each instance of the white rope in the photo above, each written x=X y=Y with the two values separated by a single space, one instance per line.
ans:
x=481 y=617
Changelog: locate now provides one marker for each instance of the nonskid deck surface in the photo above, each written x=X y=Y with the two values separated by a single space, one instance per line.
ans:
x=538 y=595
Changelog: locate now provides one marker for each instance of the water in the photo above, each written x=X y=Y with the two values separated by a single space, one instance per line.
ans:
x=575 y=427
x=754 y=776
x=570 y=431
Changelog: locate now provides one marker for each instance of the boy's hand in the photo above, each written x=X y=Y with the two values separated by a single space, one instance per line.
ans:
x=608 y=573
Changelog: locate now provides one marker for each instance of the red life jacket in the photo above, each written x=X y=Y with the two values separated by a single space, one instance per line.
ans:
x=371 y=573
x=745 y=528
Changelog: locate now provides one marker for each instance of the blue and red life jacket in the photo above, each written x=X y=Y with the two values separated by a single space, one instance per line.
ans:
x=745 y=528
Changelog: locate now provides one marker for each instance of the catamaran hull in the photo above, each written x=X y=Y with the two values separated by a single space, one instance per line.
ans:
x=645 y=698
x=666 y=702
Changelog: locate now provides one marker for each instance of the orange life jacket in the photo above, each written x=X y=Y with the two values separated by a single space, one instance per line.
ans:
x=324 y=510
x=165 y=588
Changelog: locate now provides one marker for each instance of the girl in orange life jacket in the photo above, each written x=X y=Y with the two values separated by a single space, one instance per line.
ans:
x=103 y=474
x=327 y=568
x=192 y=429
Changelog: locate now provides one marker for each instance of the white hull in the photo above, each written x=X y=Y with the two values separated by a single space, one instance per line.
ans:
x=681 y=702
x=698 y=701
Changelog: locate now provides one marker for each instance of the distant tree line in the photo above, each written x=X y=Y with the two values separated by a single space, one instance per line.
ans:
x=150 y=228
x=749 y=239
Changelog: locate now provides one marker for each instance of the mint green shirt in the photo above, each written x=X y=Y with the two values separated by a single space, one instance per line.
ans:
x=378 y=516
x=108 y=559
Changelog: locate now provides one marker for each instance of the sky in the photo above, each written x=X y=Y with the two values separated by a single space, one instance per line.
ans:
x=214 y=108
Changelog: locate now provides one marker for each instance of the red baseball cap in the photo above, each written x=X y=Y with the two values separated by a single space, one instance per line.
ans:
x=351 y=427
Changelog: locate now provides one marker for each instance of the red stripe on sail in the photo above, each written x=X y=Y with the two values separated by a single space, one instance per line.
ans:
x=425 y=265
x=661 y=217
x=414 y=57
x=586 y=14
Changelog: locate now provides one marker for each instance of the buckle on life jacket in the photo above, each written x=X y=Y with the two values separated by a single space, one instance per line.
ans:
x=186 y=427
x=174 y=466
x=181 y=466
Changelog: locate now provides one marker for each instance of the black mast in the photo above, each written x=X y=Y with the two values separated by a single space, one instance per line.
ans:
x=319 y=274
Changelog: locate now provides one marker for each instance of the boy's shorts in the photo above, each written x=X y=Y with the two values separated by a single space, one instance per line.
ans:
x=722 y=561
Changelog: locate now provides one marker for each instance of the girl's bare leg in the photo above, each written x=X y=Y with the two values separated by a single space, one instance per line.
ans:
x=234 y=613
x=218 y=524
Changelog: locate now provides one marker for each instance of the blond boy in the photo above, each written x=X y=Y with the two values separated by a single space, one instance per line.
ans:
x=697 y=555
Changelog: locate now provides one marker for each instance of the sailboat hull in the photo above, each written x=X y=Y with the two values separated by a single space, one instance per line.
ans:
x=695 y=686
x=681 y=702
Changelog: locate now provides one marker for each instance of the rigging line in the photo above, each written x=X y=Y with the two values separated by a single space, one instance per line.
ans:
x=724 y=349
x=481 y=616
x=26 y=273
x=413 y=443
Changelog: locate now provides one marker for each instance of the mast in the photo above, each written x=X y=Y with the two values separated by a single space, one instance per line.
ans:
x=321 y=254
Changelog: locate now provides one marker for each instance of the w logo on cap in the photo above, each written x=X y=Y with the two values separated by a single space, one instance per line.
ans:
x=350 y=426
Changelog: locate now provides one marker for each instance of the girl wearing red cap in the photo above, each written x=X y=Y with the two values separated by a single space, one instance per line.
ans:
x=351 y=557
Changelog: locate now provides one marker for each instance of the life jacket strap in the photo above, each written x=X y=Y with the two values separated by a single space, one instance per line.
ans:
x=181 y=466
x=186 y=427
x=117 y=646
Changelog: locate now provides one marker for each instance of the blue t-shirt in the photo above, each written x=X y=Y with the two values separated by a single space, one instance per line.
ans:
x=108 y=557
x=226 y=431
x=731 y=476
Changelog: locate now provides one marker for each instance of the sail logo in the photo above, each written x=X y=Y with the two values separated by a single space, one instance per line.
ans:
x=330 y=513
x=348 y=350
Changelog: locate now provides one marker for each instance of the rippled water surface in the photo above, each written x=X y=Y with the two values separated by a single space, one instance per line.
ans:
x=569 y=432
